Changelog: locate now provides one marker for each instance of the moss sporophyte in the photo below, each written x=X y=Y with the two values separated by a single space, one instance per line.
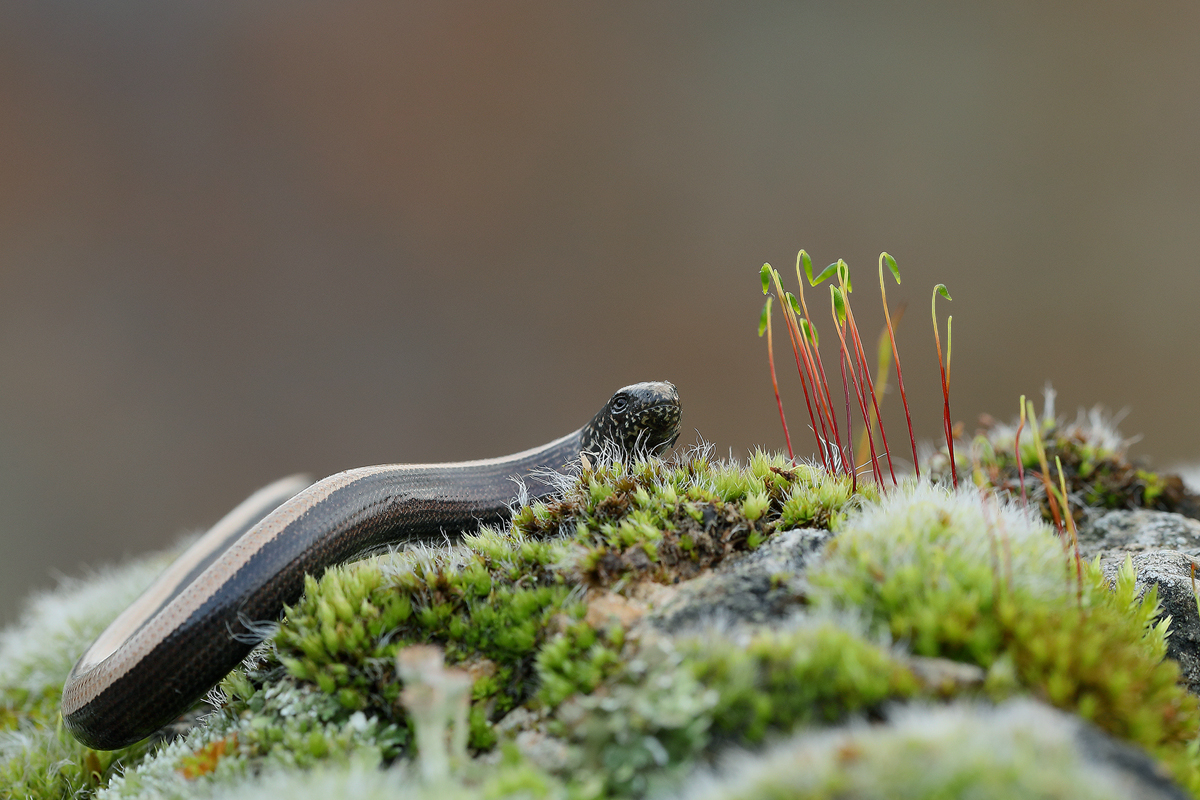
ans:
x=1095 y=472
x=857 y=380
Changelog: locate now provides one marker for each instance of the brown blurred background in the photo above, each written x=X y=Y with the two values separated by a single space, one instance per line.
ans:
x=239 y=240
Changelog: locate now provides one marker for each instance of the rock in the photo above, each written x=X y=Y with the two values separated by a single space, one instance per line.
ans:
x=605 y=606
x=1137 y=773
x=1164 y=548
x=767 y=583
x=1116 y=533
x=1171 y=572
x=944 y=677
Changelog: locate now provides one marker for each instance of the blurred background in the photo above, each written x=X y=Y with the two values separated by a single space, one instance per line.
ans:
x=244 y=239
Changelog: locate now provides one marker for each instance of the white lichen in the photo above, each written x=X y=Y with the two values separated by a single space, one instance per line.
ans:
x=1019 y=749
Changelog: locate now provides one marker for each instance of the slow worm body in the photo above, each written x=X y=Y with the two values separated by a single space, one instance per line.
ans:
x=197 y=621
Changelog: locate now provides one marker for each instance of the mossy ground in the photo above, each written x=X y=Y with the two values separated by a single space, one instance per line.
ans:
x=1095 y=465
x=613 y=709
x=1016 y=749
x=38 y=757
x=978 y=582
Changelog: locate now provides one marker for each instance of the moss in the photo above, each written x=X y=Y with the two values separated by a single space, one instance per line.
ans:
x=41 y=760
x=1094 y=459
x=505 y=597
x=643 y=732
x=776 y=681
x=667 y=521
x=672 y=705
x=515 y=601
x=283 y=727
x=364 y=780
x=38 y=757
x=577 y=660
x=966 y=750
x=937 y=573
x=992 y=587
x=497 y=600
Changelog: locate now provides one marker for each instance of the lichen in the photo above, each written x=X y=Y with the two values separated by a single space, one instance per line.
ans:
x=818 y=673
x=966 y=750
x=38 y=757
x=676 y=703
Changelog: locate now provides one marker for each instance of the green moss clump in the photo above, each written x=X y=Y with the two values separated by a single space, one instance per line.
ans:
x=817 y=674
x=667 y=521
x=492 y=608
x=643 y=732
x=511 y=607
x=1095 y=465
x=39 y=761
x=360 y=779
x=964 y=579
x=951 y=575
x=672 y=705
x=283 y=726
x=577 y=660
x=511 y=603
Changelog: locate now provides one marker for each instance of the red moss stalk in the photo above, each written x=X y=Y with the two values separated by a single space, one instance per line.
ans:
x=847 y=460
x=766 y=273
x=944 y=367
x=870 y=384
x=1062 y=481
x=764 y=325
x=809 y=344
x=858 y=391
x=802 y=258
x=1045 y=474
x=1017 y=452
x=841 y=320
x=891 y=262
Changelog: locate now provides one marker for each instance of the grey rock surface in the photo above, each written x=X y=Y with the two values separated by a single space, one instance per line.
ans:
x=944 y=677
x=767 y=583
x=1171 y=572
x=1140 y=776
x=1164 y=548
x=1116 y=533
